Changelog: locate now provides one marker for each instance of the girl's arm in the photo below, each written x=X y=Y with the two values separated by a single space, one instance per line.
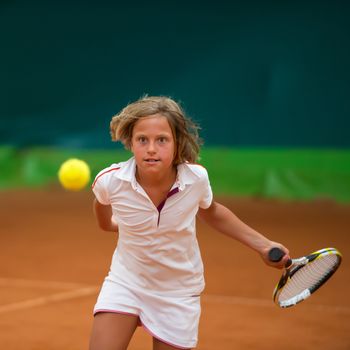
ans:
x=103 y=215
x=223 y=220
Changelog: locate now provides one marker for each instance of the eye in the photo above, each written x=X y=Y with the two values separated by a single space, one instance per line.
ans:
x=142 y=139
x=162 y=139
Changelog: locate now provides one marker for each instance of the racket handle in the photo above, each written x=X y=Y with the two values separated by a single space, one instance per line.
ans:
x=276 y=254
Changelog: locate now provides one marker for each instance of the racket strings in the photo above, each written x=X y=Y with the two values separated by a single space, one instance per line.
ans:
x=310 y=276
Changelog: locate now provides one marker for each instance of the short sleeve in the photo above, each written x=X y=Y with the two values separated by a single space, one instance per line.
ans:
x=207 y=193
x=100 y=187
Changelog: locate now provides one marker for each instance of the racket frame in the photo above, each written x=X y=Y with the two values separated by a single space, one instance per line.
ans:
x=295 y=265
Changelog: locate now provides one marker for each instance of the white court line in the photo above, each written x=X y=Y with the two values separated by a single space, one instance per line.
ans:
x=80 y=290
x=24 y=283
x=64 y=296
x=227 y=299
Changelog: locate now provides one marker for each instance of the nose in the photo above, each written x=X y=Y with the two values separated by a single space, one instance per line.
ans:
x=151 y=147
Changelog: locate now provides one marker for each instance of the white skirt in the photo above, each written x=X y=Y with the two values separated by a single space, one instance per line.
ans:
x=172 y=320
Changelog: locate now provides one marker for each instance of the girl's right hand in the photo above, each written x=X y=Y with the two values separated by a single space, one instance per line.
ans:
x=279 y=264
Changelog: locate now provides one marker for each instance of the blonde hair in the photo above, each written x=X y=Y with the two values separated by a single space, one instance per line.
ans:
x=185 y=132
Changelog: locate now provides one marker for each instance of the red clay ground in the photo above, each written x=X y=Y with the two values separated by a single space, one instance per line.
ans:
x=54 y=258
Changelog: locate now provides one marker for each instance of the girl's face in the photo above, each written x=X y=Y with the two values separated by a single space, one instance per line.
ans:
x=153 y=145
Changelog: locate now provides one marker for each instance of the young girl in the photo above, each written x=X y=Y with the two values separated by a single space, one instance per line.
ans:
x=152 y=200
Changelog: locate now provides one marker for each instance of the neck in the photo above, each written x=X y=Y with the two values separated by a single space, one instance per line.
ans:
x=164 y=179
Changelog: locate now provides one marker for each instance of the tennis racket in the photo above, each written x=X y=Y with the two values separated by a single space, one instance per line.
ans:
x=303 y=276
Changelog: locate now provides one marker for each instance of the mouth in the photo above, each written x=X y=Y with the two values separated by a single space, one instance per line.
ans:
x=151 y=160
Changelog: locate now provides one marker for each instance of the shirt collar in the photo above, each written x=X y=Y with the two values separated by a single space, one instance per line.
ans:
x=127 y=172
x=185 y=175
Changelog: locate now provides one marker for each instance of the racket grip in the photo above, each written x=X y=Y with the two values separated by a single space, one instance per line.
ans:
x=276 y=254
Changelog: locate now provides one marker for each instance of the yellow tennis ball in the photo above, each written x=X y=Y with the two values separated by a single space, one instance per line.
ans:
x=74 y=174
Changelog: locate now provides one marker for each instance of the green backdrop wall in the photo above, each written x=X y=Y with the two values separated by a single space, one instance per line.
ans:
x=267 y=80
x=252 y=73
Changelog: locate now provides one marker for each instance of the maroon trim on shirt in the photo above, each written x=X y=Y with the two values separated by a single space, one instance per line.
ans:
x=161 y=205
x=103 y=174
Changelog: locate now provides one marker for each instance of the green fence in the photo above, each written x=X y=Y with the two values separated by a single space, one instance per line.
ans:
x=303 y=174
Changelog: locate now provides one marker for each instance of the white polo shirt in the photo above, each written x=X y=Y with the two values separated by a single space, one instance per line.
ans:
x=157 y=247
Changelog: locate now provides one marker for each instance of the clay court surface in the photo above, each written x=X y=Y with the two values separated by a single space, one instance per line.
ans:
x=53 y=260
